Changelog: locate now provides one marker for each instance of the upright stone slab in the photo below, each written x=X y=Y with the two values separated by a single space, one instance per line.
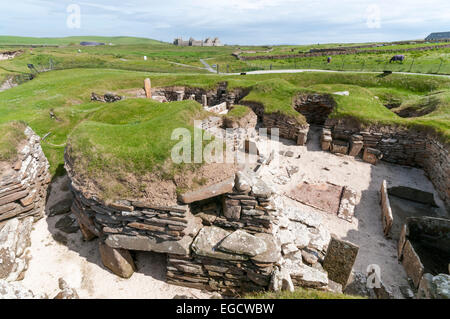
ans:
x=371 y=155
x=117 y=260
x=386 y=211
x=356 y=145
x=339 y=260
x=412 y=264
x=148 y=88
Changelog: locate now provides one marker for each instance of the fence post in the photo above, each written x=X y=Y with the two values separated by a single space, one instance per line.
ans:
x=228 y=68
x=440 y=67
x=217 y=69
x=364 y=64
x=343 y=63
x=412 y=64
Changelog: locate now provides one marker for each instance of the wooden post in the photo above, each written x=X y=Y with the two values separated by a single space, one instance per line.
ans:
x=412 y=63
x=148 y=88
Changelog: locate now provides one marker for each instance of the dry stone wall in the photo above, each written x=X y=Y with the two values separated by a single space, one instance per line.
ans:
x=403 y=146
x=23 y=185
x=23 y=191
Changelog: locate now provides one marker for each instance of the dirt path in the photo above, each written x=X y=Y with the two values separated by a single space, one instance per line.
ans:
x=56 y=255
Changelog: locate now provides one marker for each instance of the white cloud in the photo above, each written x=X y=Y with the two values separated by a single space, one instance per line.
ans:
x=244 y=21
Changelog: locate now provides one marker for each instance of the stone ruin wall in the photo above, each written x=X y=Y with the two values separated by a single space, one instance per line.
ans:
x=288 y=127
x=23 y=192
x=403 y=146
x=232 y=237
x=205 y=97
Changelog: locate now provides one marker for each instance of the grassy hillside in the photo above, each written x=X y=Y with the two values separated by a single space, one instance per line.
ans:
x=16 y=40
x=67 y=94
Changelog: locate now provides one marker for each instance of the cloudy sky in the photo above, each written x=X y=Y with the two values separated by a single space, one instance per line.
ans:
x=234 y=21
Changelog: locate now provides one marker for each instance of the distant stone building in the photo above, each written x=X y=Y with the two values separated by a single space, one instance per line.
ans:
x=438 y=36
x=198 y=43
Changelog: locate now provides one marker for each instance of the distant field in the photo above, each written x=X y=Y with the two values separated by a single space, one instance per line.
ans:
x=127 y=53
x=13 y=40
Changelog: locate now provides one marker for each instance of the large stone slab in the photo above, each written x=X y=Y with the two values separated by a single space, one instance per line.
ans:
x=386 y=211
x=207 y=244
x=208 y=192
x=412 y=264
x=143 y=243
x=118 y=260
x=413 y=194
x=242 y=243
x=339 y=260
x=273 y=252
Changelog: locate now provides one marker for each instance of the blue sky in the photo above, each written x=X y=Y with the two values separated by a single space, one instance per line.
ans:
x=234 y=21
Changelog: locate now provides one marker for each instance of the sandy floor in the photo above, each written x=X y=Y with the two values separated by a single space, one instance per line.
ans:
x=78 y=262
x=366 y=229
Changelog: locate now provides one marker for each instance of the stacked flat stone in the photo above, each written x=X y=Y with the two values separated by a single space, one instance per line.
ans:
x=249 y=207
x=288 y=127
x=23 y=185
x=227 y=262
x=129 y=218
x=315 y=107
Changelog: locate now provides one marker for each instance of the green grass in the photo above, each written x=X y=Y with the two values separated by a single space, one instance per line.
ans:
x=238 y=111
x=301 y=293
x=67 y=93
x=11 y=134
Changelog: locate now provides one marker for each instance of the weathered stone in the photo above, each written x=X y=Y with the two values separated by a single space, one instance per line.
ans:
x=66 y=292
x=243 y=183
x=208 y=192
x=15 y=290
x=119 y=261
x=232 y=212
x=347 y=205
x=67 y=224
x=305 y=276
x=8 y=242
x=412 y=264
x=413 y=194
x=272 y=254
x=319 y=238
x=437 y=287
x=289 y=249
x=207 y=244
x=371 y=155
x=310 y=256
x=386 y=211
x=308 y=218
x=339 y=260
x=260 y=189
x=281 y=281
x=143 y=243
x=340 y=147
x=148 y=88
x=300 y=233
x=61 y=207
x=242 y=243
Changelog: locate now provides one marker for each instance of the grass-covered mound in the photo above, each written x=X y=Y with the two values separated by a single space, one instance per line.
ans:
x=301 y=293
x=238 y=112
x=124 y=150
x=11 y=135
